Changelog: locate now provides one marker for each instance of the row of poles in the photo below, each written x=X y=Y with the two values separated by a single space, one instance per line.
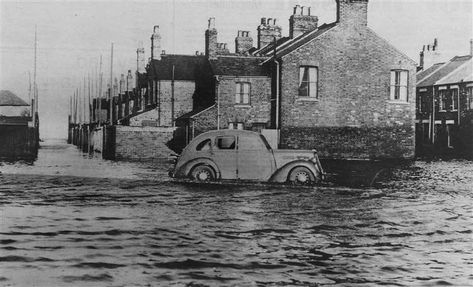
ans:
x=80 y=103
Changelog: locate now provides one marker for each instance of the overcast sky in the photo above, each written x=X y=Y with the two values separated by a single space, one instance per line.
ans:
x=73 y=34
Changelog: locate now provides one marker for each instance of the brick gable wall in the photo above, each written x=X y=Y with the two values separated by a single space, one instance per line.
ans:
x=353 y=117
x=259 y=109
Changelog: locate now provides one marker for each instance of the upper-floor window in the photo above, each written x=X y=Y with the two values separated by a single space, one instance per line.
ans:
x=443 y=100
x=469 y=96
x=399 y=85
x=454 y=101
x=308 y=81
x=242 y=95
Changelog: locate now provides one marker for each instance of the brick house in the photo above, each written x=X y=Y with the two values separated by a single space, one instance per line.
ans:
x=444 y=114
x=342 y=88
x=338 y=87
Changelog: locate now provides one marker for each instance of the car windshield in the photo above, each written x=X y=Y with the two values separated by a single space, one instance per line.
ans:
x=265 y=142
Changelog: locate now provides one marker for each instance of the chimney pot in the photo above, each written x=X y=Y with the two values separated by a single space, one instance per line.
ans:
x=163 y=52
x=211 y=23
x=263 y=21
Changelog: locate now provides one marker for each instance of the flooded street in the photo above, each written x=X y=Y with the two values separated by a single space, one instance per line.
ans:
x=71 y=220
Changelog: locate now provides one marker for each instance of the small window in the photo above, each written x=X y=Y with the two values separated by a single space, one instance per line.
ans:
x=469 y=91
x=442 y=100
x=308 y=81
x=242 y=95
x=454 y=102
x=399 y=85
x=204 y=145
x=228 y=142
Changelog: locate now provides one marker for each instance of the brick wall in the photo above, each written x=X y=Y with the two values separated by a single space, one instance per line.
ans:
x=259 y=109
x=354 y=93
x=138 y=143
x=183 y=91
x=205 y=121
x=162 y=115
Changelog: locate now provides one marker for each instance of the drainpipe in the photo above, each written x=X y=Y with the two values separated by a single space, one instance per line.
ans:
x=172 y=97
x=433 y=114
x=277 y=97
x=217 y=80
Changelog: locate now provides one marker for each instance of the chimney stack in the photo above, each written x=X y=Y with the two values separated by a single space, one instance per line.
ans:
x=122 y=85
x=156 y=44
x=301 y=21
x=129 y=82
x=352 y=13
x=211 y=40
x=268 y=31
x=140 y=59
x=243 y=42
x=429 y=55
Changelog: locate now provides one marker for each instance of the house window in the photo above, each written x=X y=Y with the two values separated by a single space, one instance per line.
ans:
x=469 y=96
x=454 y=101
x=399 y=85
x=308 y=81
x=442 y=100
x=242 y=95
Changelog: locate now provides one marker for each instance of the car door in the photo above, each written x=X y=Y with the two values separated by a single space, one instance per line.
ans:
x=255 y=159
x=225 y=156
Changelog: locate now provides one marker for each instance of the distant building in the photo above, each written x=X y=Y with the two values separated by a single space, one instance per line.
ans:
x=444 y=114
x=18 y=136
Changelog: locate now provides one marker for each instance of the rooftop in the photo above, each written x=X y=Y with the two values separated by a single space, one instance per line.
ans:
x=443 y=71
x=8 y=98
x=238 y=66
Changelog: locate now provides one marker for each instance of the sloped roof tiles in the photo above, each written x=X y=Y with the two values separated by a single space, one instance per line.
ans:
x=8 y=98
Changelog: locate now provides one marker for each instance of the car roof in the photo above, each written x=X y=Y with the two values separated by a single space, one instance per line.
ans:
x=228 y=132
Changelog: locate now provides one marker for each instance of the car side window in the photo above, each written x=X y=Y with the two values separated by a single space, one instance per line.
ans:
x=204 y=145
x=226 y=142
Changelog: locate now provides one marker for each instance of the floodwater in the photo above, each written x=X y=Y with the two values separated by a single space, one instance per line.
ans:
x=71 y=220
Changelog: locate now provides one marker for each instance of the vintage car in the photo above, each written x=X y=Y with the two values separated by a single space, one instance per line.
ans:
x=244 y=155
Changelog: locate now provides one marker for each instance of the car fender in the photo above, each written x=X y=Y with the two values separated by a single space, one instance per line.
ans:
x=281 y=174
x=186 y=168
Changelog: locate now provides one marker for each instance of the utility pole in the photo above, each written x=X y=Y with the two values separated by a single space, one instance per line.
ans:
x=111 y=86
x=35 y=89
x=100 y=91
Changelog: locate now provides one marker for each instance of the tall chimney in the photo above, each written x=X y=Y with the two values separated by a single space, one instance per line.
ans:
x=140 y=59
x=156 y=44
x=352 y=13
x=130 y=84
x=301 y=21
x=211 y=40
x=268 y=31
x=122 y=85
x=243 y=42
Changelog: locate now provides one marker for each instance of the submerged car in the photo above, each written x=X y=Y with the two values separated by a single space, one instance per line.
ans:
x=244 y=155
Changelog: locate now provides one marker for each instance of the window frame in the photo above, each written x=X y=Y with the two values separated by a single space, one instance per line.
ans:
x=308 y=82
x=454 y=99
x=239 y=93
x=442 y=96
x=395 y=87
x=217 y=142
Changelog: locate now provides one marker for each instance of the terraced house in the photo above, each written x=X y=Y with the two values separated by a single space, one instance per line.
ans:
x=444 y=123
x=337 y=87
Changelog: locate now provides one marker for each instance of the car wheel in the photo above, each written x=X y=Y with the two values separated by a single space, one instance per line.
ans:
x=301 y=175
x=202 y=173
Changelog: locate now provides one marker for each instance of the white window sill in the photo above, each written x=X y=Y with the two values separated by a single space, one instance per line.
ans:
x=242 y=106
x=306 y=99
x=398 y=102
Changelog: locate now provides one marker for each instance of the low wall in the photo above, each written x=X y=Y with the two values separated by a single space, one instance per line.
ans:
x=18 y=142
x=352 y=142
x=142 y=143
